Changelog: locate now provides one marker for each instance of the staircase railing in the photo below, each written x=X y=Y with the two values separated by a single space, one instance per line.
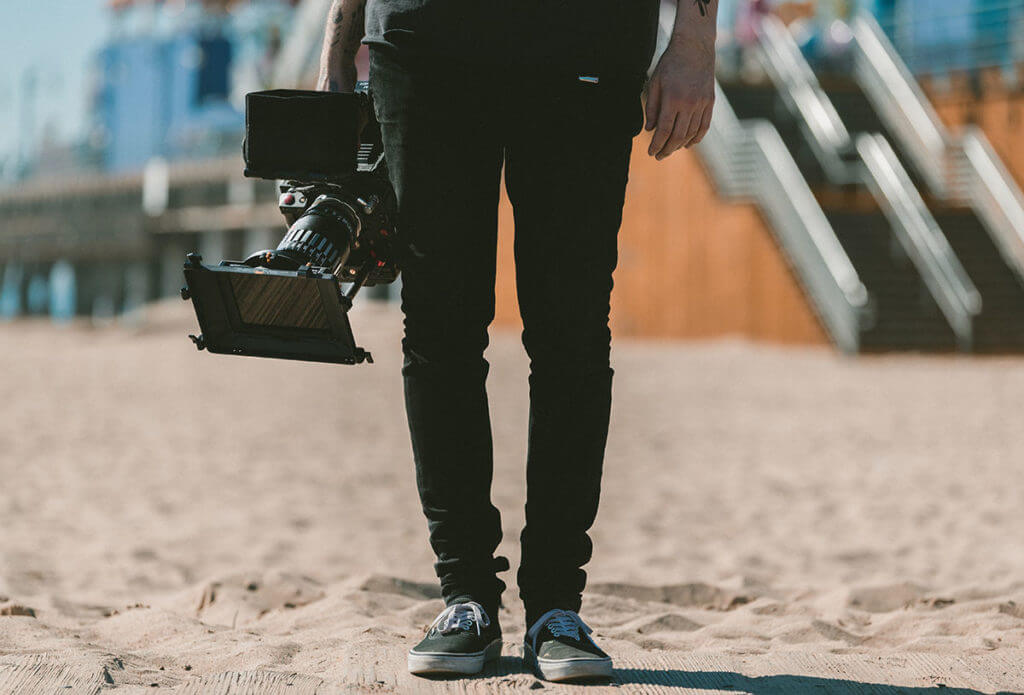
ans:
x=749 y=160
x=871 y=162
x=959 y=169
x=920 y=236
x=994 y=195
x=804 y=98
x=900 y=102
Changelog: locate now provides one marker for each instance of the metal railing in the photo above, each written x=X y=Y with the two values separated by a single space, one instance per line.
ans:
x=872 y=163
x=799 y=89
x=994 y=196
x=920 y=236
x=964 y=169
x=900 y=102
x=749 y=160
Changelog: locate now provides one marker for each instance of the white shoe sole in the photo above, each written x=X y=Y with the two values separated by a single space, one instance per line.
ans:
x=423 y=663
x=557 y=670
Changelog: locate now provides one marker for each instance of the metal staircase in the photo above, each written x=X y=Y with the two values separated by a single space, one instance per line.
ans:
x=749 y=160
x=970 y=193
x=901 y=313
x=921 y=296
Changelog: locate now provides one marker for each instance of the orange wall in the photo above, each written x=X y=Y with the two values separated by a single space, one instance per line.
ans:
x=690 y=264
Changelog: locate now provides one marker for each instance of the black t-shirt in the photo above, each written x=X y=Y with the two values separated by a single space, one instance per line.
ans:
x=585 y=37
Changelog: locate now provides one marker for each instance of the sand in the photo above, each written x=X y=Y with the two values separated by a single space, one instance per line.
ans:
x=773 y=519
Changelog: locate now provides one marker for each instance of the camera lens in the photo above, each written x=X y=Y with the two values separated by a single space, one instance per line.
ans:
x=322 y=237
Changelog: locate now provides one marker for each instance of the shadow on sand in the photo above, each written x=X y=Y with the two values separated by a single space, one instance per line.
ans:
x=738 y=683
x=777 y=685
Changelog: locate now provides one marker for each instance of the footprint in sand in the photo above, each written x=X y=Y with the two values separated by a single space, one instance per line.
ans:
x=380 y=584
x=885 y=598
x=693 y=595
x=1012 y=608
x=239 y=599
x=670 y=622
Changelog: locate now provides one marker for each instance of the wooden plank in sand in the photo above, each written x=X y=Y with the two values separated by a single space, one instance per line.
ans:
x=44 y=673
x=257 y=683
x=709 y=673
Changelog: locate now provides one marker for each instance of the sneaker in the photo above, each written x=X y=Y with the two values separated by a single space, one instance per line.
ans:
x=559 y=648
x=460 y=641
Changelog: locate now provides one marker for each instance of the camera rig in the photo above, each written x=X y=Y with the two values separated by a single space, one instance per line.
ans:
x=291 y=302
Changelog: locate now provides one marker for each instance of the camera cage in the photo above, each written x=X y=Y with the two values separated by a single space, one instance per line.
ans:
x=304 y=138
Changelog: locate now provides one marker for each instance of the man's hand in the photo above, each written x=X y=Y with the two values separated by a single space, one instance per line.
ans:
x=681 y=92
x=341 y=43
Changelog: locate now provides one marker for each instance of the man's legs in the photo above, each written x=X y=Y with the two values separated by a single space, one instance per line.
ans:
x=566 y=172
x=445 y=157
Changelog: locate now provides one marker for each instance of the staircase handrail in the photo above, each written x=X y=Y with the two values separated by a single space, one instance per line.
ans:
x=883 y=175
x=920 y=236
x=748 y=159
x=900 y=102
x=965 y=168
x=995 y=197
x=799 y=88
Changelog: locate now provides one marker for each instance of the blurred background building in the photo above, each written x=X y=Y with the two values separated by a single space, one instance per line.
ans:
x=860 y=185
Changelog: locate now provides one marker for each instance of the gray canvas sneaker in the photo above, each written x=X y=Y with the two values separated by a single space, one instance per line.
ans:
x=558 y=647
x=459 y=641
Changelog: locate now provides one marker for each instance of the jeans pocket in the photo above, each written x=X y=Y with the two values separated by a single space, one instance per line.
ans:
x=605 y=108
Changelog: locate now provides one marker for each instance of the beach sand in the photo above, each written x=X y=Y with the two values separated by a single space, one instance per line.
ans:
x=773 y=519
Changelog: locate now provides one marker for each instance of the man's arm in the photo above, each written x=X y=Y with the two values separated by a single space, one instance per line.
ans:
x=341 y=42
x=681 y=92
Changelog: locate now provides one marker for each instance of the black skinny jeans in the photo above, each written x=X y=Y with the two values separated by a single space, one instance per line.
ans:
x=448 y=129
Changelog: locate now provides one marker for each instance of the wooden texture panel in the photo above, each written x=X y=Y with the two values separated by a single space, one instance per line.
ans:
x=691 y=265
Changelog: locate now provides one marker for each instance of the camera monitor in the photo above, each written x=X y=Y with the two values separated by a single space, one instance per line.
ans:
x=304 y=135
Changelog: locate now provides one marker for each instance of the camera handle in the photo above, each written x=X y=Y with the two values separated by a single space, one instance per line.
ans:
x=358 y=280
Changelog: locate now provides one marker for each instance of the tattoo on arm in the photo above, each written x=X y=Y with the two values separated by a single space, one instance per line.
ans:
x=356 y=29
x=345 y=26
x=333 y=33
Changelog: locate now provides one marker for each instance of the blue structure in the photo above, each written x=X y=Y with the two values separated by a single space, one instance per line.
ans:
x=932 y=36
x=936 y=36
x=174 y=89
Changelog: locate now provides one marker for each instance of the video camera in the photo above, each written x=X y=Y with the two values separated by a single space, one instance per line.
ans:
x=289 y=302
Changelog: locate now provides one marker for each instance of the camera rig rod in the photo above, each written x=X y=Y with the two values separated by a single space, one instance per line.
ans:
x=359 y=279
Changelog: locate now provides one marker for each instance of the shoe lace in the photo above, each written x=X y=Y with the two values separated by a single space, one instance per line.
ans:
x=560 y=623
x=461 y=617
